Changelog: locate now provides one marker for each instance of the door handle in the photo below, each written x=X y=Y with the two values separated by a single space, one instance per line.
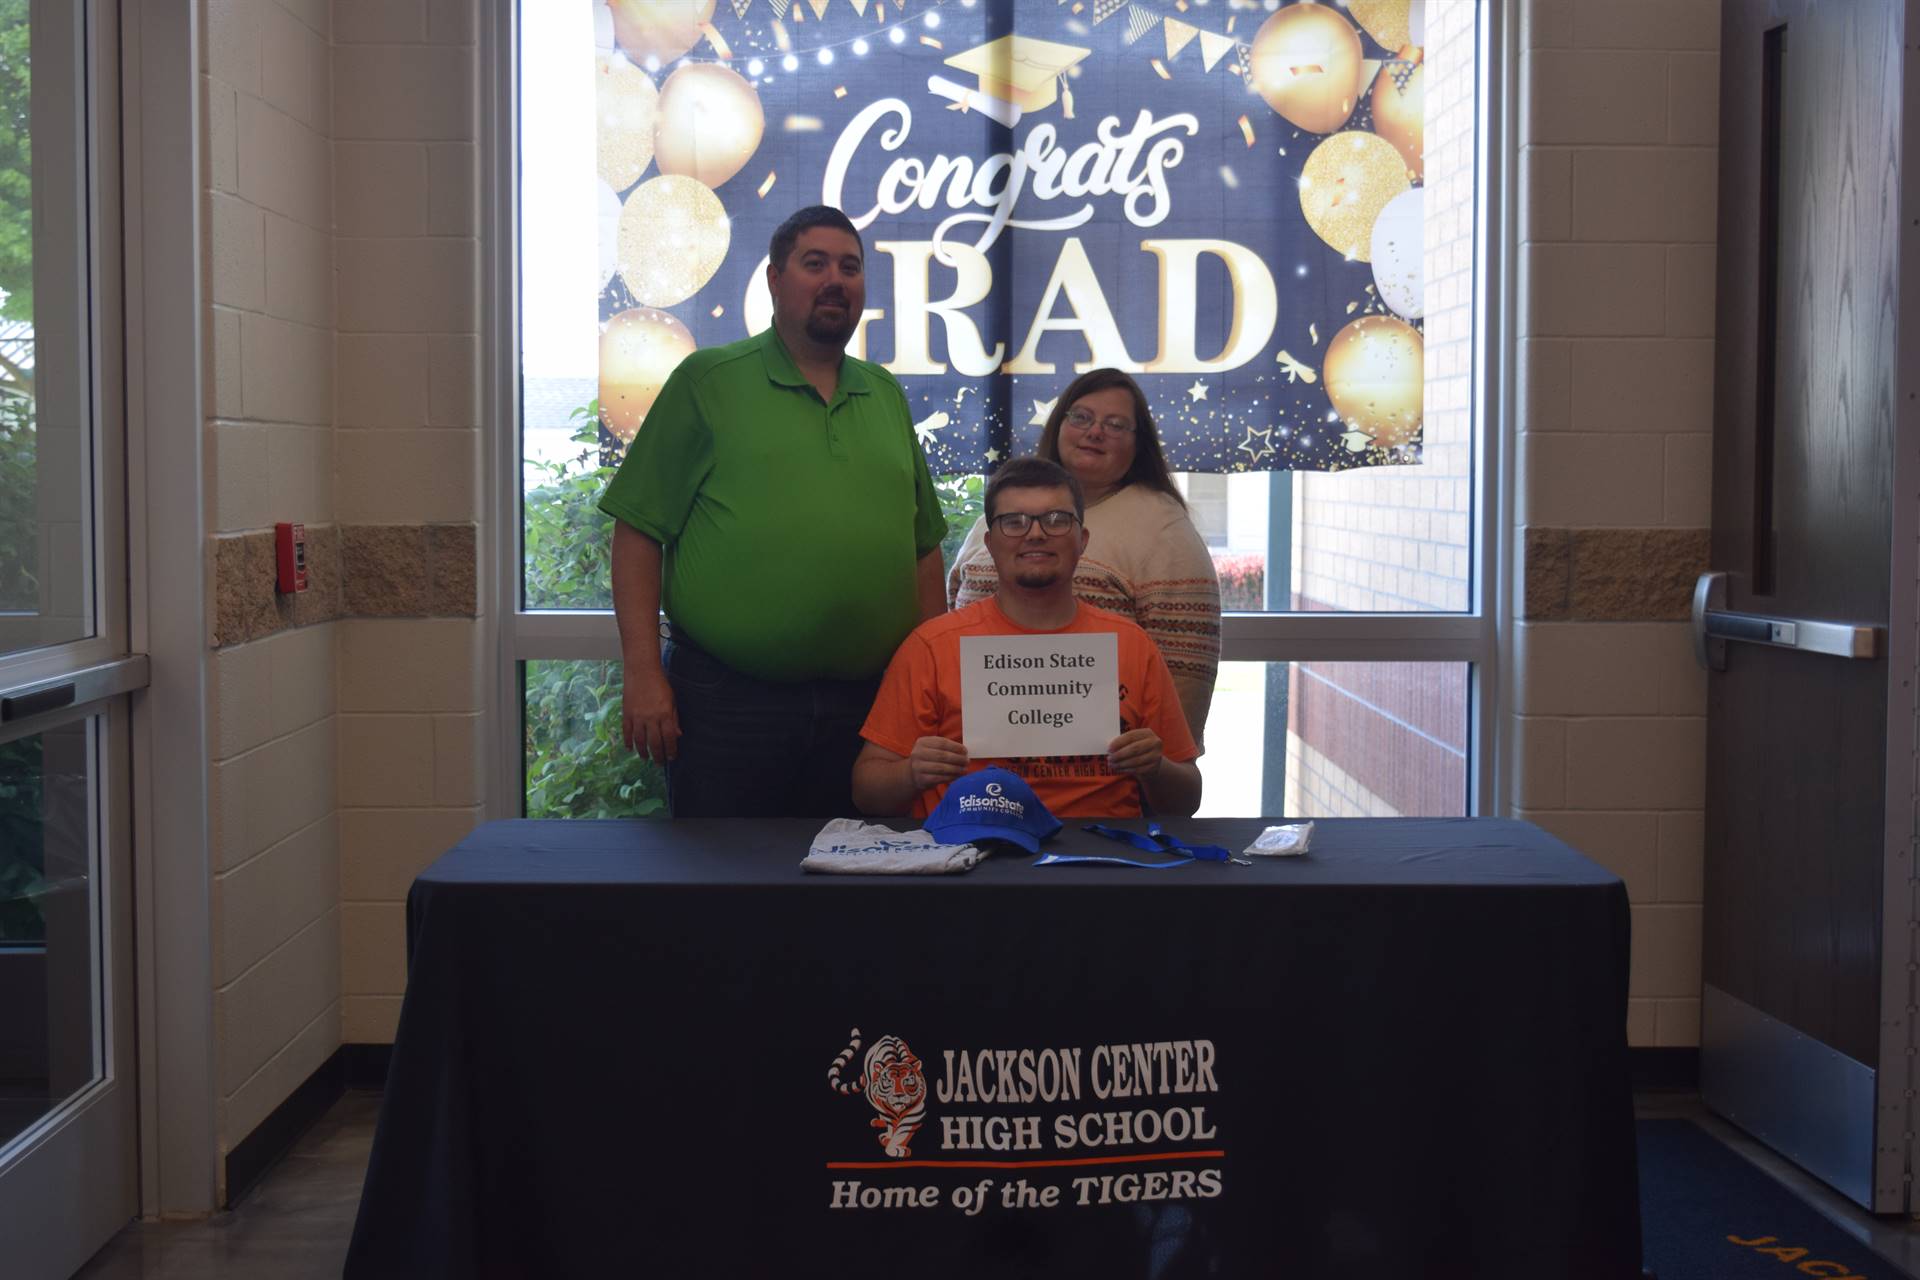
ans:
x=91 y=684
x=1714 y=627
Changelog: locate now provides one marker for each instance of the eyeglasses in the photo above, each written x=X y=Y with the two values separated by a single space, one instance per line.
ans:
x=1081 y=420
x=1014 y=524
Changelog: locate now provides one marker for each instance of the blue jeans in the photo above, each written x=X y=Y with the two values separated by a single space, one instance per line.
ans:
x=754 y=749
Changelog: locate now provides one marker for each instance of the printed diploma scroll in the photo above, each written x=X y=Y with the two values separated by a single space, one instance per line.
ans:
x=1045 y=695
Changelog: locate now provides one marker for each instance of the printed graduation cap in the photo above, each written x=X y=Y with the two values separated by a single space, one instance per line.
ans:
x=1016 y=74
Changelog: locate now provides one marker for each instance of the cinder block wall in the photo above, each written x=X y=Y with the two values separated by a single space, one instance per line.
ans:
x=267 y=102
x=406 y=225
x=1618 y=171
x=341 y=220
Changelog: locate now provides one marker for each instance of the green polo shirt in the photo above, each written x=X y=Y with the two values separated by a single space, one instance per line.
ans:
x=792 y=527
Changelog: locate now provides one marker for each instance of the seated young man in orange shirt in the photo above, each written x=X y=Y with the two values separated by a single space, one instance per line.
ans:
x=913 y=735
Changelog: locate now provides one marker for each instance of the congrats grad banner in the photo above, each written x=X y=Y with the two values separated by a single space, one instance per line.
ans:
x=1223 y=198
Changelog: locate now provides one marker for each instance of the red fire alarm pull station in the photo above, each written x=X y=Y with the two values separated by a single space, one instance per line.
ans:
x=290 y=546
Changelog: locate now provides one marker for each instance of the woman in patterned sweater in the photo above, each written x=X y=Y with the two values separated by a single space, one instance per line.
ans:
x=1145 y=560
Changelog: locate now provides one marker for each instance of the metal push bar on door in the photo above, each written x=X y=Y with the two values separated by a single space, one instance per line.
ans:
x=73 y=689
x=1714 y=626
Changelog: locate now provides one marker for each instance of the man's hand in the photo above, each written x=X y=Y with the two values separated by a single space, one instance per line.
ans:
x=1137 y=752
x=649 y=725
x=936 y=760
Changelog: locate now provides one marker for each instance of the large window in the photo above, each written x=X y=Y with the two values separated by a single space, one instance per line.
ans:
x=1266 y=277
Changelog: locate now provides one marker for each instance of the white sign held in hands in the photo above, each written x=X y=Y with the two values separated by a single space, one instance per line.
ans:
x=1039 y=695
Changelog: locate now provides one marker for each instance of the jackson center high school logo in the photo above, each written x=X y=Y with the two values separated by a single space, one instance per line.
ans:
x=1033 y=1128
x=892 y=1082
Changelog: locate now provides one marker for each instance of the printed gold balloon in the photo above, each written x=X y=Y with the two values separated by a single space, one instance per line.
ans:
x=607 y=207
x=638 y=349
x=661 y=30
x=1388 y=21
x=627 y=105
x=709 y=125
x=673 y=235
x=1399 y=253
x=1306 y=64
x=1400 y=109
x=1345 y=184
x=1375 y=377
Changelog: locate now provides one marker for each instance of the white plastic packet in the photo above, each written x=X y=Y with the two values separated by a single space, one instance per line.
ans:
x=1288 y=841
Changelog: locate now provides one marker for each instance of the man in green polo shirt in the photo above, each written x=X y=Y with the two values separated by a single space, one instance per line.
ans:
x=778 y=495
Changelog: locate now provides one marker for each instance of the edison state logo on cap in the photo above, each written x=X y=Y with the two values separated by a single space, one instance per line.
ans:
x=992 y=805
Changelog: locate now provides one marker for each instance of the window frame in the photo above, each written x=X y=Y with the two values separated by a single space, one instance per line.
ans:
x=1480 y=636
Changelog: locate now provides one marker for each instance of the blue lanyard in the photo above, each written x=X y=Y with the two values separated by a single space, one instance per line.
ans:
x=1157 y=840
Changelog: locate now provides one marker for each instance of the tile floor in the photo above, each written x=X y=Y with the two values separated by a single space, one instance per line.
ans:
x=296 y=1223
x=294 y=1226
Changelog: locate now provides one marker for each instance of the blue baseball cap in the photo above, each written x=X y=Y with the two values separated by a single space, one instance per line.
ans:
x=991 y=805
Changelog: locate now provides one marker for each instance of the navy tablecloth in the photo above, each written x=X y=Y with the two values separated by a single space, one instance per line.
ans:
x=629 y=1048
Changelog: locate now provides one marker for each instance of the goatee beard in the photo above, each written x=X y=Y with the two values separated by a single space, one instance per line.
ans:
x=829 y=334
x=1037 y=579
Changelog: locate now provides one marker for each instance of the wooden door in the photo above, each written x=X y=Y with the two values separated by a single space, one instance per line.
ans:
x=1810 y=772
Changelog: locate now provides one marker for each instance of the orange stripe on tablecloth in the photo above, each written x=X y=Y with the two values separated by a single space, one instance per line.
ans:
x=1023 y=1164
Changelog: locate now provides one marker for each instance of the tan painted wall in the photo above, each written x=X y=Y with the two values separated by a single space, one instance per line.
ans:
x=269 y=450
x=406 y=224
x=1618 y=129
x=342 y=280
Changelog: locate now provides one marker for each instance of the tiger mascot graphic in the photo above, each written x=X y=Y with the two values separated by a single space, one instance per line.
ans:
x=892 y=1081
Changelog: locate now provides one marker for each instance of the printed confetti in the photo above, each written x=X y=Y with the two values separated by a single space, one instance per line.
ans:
x=1139 y=22
x=1294 y=369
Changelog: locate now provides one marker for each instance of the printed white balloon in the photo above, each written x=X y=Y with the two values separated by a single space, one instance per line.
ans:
x=1398 y=251
x=609 y=232
x=602 y=27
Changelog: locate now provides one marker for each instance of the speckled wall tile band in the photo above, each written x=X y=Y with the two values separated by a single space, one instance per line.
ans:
x=1611 y=575
x=353 y=571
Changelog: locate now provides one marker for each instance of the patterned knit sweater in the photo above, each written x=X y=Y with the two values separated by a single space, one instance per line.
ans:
x=1144 y=561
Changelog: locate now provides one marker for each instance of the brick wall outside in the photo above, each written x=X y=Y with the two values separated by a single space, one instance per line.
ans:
x=1392 y=539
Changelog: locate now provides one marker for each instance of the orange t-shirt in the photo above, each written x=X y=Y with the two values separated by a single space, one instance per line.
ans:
x=920 y=697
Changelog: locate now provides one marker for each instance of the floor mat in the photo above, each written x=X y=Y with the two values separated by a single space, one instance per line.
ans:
x=1708 y=1214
